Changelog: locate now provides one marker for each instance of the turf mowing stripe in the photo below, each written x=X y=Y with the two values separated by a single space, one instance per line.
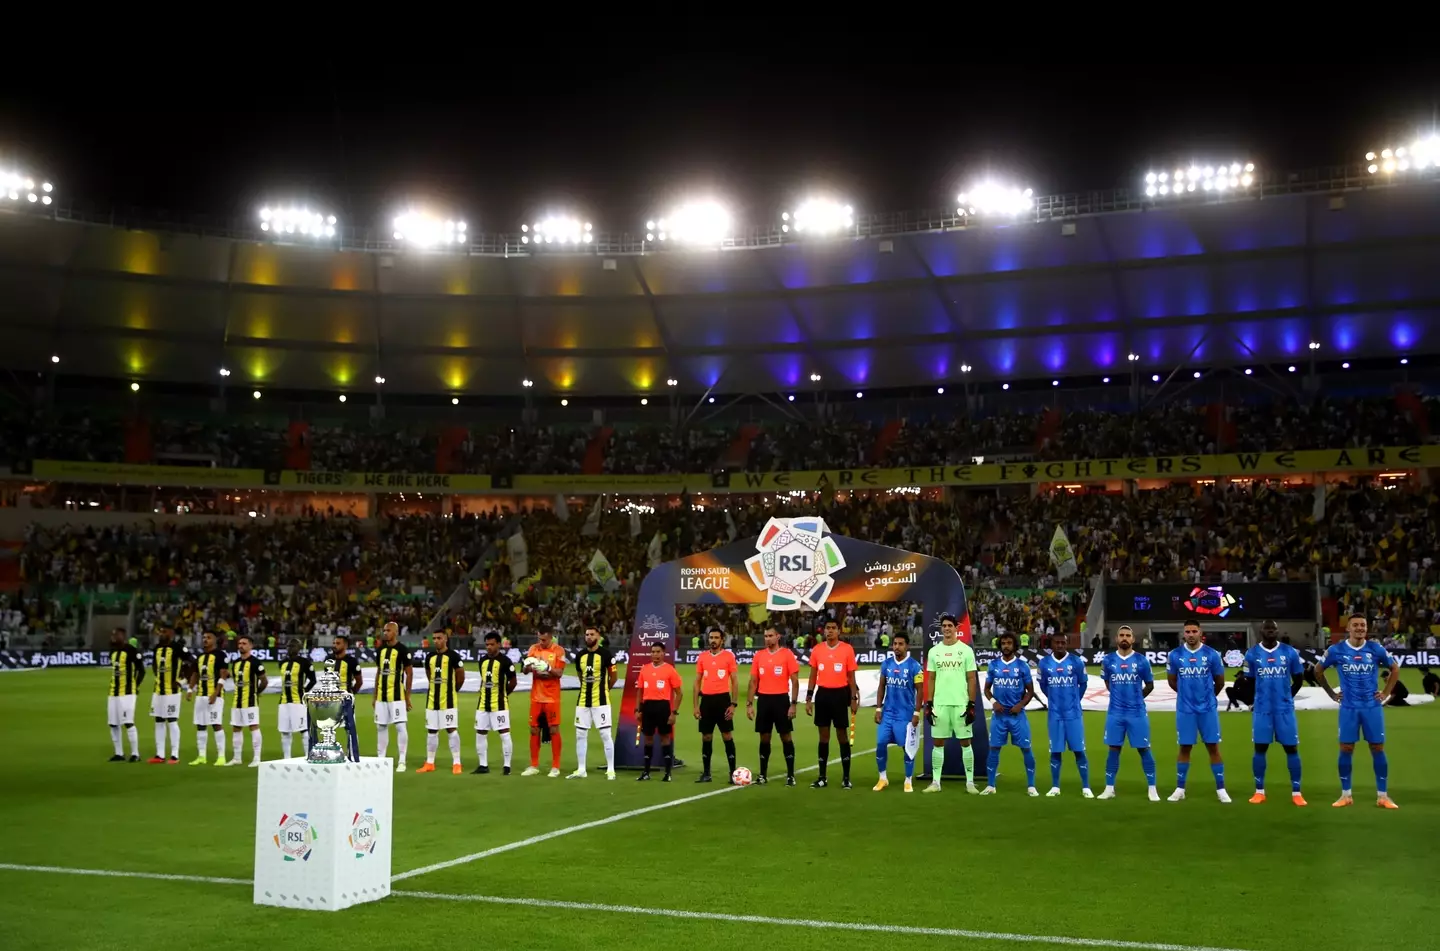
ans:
x=594 y=824
x=110 y=873
x=812 y=923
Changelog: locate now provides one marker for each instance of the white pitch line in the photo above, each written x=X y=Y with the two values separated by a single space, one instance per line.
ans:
x=594 y=824
x=671 y=912
x=814 y=923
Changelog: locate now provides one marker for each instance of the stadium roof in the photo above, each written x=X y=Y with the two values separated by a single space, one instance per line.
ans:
x=1070 y=293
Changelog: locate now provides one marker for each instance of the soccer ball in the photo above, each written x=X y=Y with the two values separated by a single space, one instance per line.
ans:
x=741 y=776
x=536 y=665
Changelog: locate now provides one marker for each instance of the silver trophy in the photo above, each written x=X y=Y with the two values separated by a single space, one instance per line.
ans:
x=330 y=707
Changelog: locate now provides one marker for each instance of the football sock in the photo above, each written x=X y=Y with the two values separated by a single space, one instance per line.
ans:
x=507 y=747
x=823 y=750
x=1219 y=770
x=668 y=752
x=967 y=756
x=482 y=748
x=1292 y=760
x=432 y=743
x=789 y=749
x=1029 y=769
x=402 y=739
x=257 y=743
x=845 y=761
x=1112 y=765
x=116 y=741
x=238 y=743
x=160 y=738
x=535 y=750
x=882 y=757
x=582 y=747
x=730 y=752
x=382 y=741
x=454 y=746
x=1182 y=775
x=707 y=749
x=133 y=735
x=555 y=745
x=1082 y=763
x=909 y=765
x=1147 y=763
x=1055 y=760
x=1257 y=766
x=285 y=740
x=174 y=730
x=1347 y=763
x=202 y=743
x=992 y=765
x=1382 y=771
x=764 y=756
x=937 y=764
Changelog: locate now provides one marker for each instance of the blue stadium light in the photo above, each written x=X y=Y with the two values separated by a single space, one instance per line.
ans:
x=1418 y=156
x=992 y=199
x=702 y=223
x=818 y=217
x=288 y=222
x=428 y=231
x=19 y=187
x=1213 y=179
x=564 y=230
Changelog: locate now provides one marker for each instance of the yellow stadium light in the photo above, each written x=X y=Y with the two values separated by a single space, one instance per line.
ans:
x=819 y=217
x=428 y=231
x=557 y=229
x=19 y=187
x=704 y=222
x=1214 y=179
x=287 y=222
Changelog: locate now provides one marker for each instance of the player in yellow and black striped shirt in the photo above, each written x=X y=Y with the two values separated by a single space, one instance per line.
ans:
x=497 y=682
x=250 y=682
x=595 y=667
x=393 y=676
x=445 y=672
x=127 y=669
x=296 y=679
x=347 y=665
x=206 y=679
x=171 y=662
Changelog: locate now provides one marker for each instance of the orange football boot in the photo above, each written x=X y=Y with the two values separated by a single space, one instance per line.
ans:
x=427 y=768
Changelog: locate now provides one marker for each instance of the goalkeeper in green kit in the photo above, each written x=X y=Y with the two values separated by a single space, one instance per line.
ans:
x=951 y=686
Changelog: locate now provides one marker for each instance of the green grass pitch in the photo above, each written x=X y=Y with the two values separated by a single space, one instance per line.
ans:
x=1196 y=874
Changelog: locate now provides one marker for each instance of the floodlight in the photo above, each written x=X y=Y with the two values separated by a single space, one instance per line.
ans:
x=814 y=378
x=704 y=222
x=427 y=231
x=16 y=186
x=990 y=198
x=1419 y=155
x=818 y=216
x=1218 y=179
x=290 y=221
x=557 y=229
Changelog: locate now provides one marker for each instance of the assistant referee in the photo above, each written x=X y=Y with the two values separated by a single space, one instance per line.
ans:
x=832 y=697
x=774 y=688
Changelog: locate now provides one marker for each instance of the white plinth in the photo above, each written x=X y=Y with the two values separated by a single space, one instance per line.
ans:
x=323 y=833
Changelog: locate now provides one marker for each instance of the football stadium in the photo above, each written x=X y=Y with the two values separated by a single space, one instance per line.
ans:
x=489 y=565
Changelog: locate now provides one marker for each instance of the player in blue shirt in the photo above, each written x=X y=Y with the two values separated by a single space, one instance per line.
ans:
x=897 y=710
x=1130 y=680
x=1197 y=675
x=1278 y=673
x=1063 y=681
x=1008 y=687
x=1361 y=704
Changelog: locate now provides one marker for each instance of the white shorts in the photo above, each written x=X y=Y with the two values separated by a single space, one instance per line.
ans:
x=391 y=712
x=597 y=717
x=292 y=718
x=245 y=716
x=499 y=720
x=441 y=719
x=122 y=710
x=208 y=712
x=165 y=706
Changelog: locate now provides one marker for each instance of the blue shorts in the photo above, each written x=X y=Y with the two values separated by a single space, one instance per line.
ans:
x=1012 y=727
x=1134 y=727
x=892 y=733
x=1277 y=727
x=1067 y=734
x=1206 y=724
x=1367 y=720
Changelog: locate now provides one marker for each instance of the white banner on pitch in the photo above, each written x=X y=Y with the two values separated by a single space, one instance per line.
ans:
x=323 y=833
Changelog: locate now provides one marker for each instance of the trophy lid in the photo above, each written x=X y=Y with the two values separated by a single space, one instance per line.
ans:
x=327 y=685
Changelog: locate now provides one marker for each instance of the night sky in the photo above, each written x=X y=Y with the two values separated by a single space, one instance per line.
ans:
x=614 y=147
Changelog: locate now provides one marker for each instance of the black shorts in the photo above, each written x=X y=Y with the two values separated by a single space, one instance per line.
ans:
x=832 y=707
x=772 y=713
x=713 y=712
x=654 y=717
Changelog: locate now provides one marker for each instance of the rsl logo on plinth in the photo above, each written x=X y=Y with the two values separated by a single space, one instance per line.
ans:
x=796 y=563
x=296 y=837
x=364 y=833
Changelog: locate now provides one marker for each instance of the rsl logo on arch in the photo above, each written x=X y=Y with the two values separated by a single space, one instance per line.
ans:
x=795 y=563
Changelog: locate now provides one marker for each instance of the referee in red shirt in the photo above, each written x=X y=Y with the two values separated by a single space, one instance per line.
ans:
x=832 y=697
x=660 y=691
x=715 y=701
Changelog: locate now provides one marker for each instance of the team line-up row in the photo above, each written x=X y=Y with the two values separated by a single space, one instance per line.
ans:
x=944 y=691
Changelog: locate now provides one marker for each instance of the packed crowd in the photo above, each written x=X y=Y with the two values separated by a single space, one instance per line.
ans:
x=924 y=439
